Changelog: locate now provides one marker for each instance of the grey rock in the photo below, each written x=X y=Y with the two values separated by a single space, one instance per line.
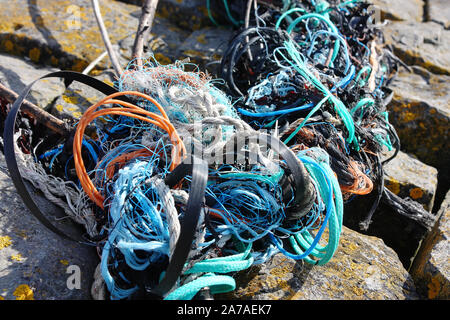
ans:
x=164 y=41
x=431 y=268
x=421 y=115
x=406 y=176
x=206 y=46
x=409 y=10
x=60 y=33
x=187 y=14
x=439 y=11
x=16 y=74
x=363 y=268
x=75 y=99
x=422 y=44
x=36 y=257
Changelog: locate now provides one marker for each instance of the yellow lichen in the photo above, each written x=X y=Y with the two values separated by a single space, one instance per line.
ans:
x=358 y=291
x=69 y=99
x=434 y=287
x=202 y=39
x=416 y=193
x=9 y=45
x=23 y=292
x=393 y=185
x=5 y=241
x=34 y=54
x=17 y=257
x=64 y=262
x=59 y=107
x=162 y=59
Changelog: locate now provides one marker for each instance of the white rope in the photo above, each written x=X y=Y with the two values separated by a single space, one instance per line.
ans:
x=76 y=204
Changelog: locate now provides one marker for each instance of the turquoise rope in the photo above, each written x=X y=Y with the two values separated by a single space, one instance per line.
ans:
x=302 y=241
x=299 y=65
x=216 y=284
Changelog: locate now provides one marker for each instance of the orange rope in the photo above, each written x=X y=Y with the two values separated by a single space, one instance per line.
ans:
x=355 y=187
x=130 y=110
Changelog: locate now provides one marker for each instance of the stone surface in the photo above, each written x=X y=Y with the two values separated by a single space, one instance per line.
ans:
x=420 y=112
x=16 y=74
x=32 y=255
x=76 y=98
x=422 y=44
x=363 y=268
x=431 y=268
x=401 y=231
x=62 y=33
x=164 y=41
x=439 y=11
x=188 y=14
x=408 y=177
x=205 y=47
x=409 y=10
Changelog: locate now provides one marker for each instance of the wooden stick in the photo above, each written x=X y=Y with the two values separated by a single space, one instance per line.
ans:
x=35 y=112
x=105 y=37
x=144 y=27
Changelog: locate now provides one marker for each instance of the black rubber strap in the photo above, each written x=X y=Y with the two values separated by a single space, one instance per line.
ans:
x=8 y=138
x=304 y=191
x=198 y=169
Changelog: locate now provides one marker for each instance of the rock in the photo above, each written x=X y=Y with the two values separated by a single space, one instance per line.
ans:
x=403 y=231
x=187 y=14
x=16 y=74
x=431 y=269
x=72 y=103
x=164 y=41
x=423 y=44
x=363 y=268
x=62 y=33
x=32 y=255
x=408 y=10
x=421 y=114
x=408 y=177
x=439 y=11
x=205 y=47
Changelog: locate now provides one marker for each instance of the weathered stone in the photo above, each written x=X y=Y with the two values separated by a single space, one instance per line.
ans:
x=16 y=74
x=423 y=44
x=31 y=254
x=205 y=47
x=188 y=14
x=363 y=268
x=403 y=231
x=408 y=10
x=62 y=33
x=439 y=11
x=164 y=41
x=76 y=98
x=408 y=177
x=431 y=267
x=421 y=115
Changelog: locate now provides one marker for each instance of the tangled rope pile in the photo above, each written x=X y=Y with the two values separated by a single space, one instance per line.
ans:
x=180 y=184
x=317 y=70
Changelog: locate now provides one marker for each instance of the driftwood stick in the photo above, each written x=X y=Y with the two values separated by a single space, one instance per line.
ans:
x=112 y=55
x=144 y=27
x=41 y=116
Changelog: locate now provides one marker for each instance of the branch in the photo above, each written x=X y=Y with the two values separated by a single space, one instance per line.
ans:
x=104 y=33
x=43 y=117
x=144 y=27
